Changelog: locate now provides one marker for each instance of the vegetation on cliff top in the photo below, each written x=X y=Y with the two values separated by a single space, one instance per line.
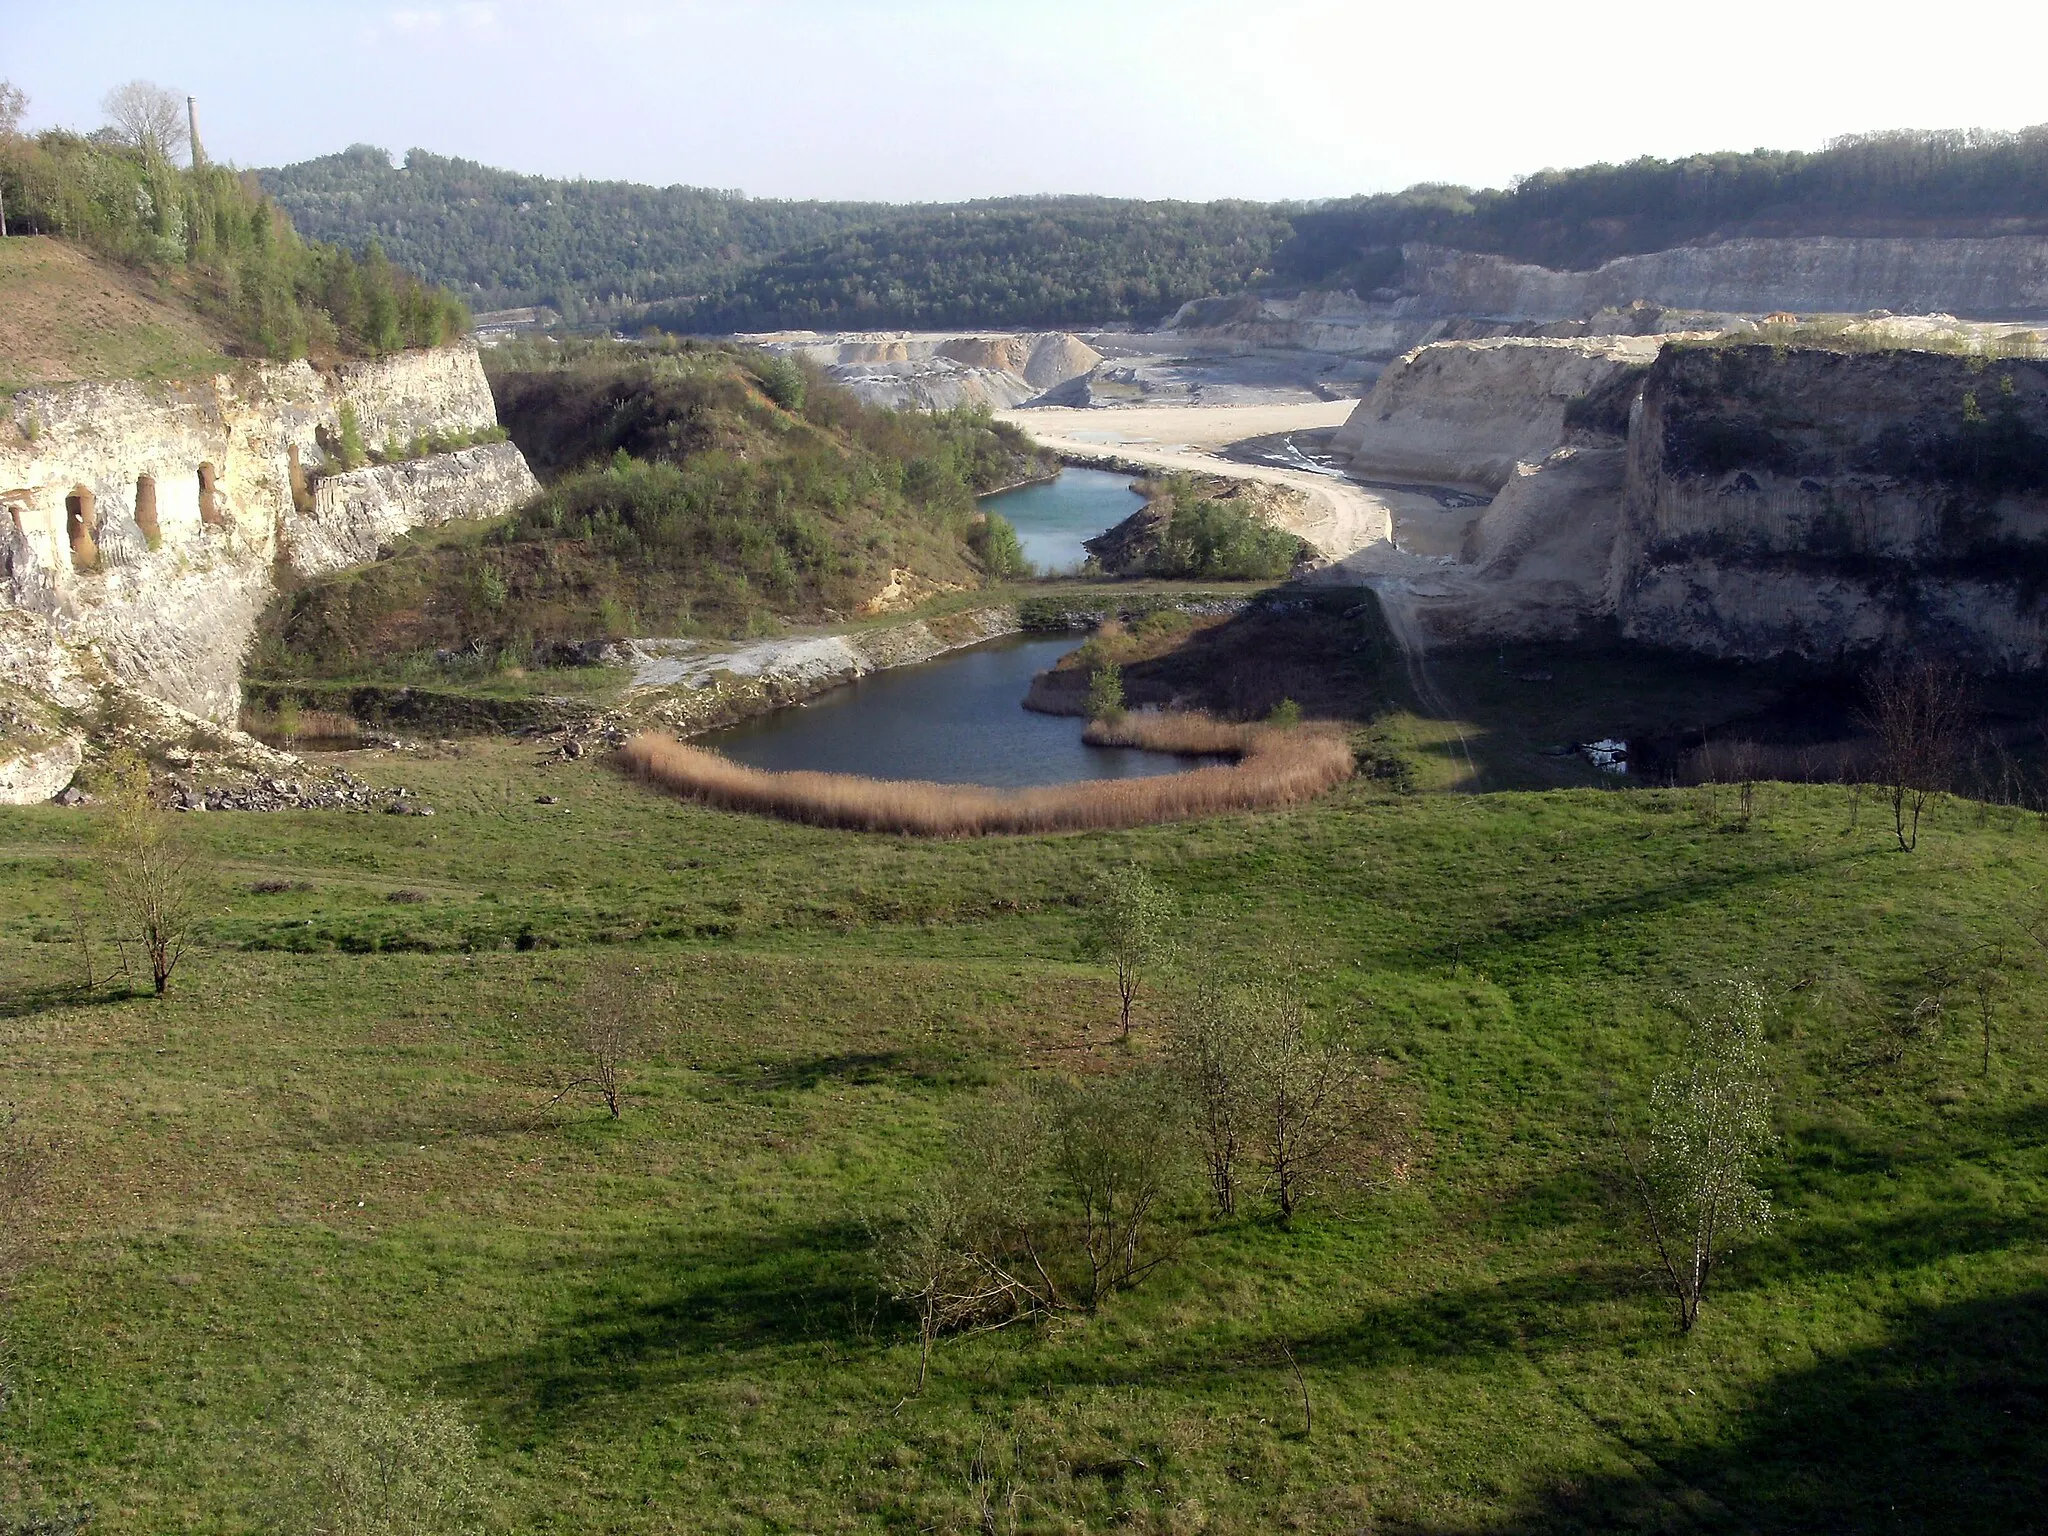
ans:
x=681 y=499
x=211 y=239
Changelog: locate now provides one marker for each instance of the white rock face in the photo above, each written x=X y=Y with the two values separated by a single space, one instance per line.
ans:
x=1467 y=413
x=357 y=513
x=2001 y=277
x=35 y=776
x=147 y=520
x=938 y=370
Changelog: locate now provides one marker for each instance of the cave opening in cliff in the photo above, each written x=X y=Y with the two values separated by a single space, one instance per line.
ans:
x=78 y=519
x=302 y=493
x=209 y=503
x=145 y=509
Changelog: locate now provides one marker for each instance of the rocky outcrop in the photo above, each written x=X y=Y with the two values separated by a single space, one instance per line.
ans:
x=148 y=520
x=1833 y=505
x=356 y=514
x=1470 y=413
x=2004 y=277
x=939 y=371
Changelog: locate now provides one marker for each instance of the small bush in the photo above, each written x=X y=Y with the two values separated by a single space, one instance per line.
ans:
x=371 y=1463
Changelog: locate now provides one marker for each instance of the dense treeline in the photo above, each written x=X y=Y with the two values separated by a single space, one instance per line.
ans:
x=1901 y=183
x=1073 y=261
x=219 y=240
x=593 y=249
x=701 y=260
x=691 y=489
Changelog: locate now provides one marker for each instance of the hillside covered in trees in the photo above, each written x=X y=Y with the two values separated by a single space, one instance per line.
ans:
x=695 y=259
x=211 y=240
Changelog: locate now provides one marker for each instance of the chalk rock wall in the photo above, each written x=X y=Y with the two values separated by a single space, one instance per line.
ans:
x=147 y=520
x=356 y=514
x=1830 y=505
x=940 y=370
x=1468 y=413
x=2002 y=277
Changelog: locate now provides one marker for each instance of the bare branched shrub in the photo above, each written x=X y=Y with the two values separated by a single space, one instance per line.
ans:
x=1710 y=1125
x=372 y=1463
x=1314 y=1105
x=152 y=877
x=1919 y=711
x=1047 y=1201
x=609 y=1025
x=1112 y=1144
x=1127 y=926
x=1267 y=1089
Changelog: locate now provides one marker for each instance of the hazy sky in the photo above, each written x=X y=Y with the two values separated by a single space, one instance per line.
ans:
x=943 y=99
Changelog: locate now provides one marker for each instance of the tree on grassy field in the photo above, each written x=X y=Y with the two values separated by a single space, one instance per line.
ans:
x=1919 y=711
x=1112 y=1142
x=607 y=1029
x=371 y=1463
x=1312 y=1106
x=1710 y=1127
x=13 y=102
x=1127 y=927
x=1210 y=1051
x=968 y=1251
x=147 y=118
x=152 y=877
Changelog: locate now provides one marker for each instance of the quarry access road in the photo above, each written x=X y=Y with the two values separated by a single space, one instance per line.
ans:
x=1340 y=518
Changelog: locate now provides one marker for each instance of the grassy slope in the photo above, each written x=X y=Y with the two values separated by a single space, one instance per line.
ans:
x=67 y=314
x=332 y=1142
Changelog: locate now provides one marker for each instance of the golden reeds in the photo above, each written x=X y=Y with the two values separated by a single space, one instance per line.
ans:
x=1273 y=767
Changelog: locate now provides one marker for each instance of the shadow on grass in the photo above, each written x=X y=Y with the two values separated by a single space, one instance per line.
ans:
x=646 y=1321
x=1938 y=1428
x=27 y=1002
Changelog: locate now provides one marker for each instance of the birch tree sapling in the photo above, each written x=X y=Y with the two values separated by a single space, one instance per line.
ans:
x=152 y=877
x=1710 y=1126
x=1128 y=920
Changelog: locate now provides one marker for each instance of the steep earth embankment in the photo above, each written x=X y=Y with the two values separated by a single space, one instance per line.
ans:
x=149 y=522
x=1832 y=505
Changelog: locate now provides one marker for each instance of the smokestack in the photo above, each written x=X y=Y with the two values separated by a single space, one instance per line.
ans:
x=192 y=121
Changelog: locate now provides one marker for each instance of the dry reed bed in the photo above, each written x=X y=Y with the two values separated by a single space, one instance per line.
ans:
x=1272 y=767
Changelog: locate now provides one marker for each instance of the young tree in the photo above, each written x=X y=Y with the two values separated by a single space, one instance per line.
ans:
x=1106 y=693
x=995 y=543
x=1918 y=711
x=607 y=1028
x=1128 y=925
x=1710 y=1127
x=147 y=118
x=1311 y=1100
x=1210 y=1051
x=1112 y=1142
x=13 y=102
x=152 y=878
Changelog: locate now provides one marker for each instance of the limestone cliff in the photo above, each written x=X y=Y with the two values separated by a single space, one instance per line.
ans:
x=939 y=370
x=1468 y=413
x=148 y=521
x=1830 y=505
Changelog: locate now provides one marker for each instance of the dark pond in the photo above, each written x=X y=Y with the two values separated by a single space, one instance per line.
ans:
x=958 y=720
x=1054 y=517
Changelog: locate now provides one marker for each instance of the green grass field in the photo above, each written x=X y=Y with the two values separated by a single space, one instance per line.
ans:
x=331 y=1148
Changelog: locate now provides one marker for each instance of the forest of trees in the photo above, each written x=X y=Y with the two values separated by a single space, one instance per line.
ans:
x=216 y=240
x=699 y=260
